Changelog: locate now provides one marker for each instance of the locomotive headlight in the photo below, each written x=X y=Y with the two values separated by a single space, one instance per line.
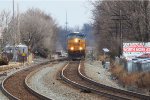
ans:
x=72 y=48
x=80 y=48
x=76 y=40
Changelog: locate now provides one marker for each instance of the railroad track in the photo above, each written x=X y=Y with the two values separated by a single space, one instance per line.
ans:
x=14 y=86
x=73 y=73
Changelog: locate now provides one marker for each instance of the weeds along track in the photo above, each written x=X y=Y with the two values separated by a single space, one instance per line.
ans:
x=14 y=86
x=73 y=73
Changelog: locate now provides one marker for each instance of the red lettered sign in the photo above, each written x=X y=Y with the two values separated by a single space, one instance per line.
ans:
x=135 y=49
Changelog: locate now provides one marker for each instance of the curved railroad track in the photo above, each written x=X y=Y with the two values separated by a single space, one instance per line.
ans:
x=14 y=86
x=73 y=73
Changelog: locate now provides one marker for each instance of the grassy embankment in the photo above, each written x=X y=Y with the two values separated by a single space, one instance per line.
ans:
x=9 y=66
x=140 y=80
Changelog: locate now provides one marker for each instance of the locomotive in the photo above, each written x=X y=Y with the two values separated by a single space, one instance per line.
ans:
x=76 y=45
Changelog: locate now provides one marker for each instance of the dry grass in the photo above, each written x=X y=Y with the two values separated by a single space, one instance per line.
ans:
x=141 y=80
x=10 y=66
x=130 y=79
x=118 y=71
x=104 y=57
x=144 y=80
x=101 y=57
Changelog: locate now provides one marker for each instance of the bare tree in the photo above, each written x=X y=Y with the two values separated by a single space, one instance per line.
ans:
x=134 y=28
x=38 y=29
x=5 y=19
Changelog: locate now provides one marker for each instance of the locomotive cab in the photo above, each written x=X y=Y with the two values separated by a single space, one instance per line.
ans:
x=76 y=45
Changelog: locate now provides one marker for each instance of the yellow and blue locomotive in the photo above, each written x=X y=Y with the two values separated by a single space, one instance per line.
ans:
x=76 y=45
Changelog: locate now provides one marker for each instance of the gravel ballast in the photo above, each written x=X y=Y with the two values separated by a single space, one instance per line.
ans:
x=2 y=96
x=101 y=75
x=47 y=83
x=13 y=70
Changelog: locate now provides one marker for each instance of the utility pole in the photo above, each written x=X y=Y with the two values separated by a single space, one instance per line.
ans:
x=120 y=18
x=13 y=23
x=66 y=31
x=66 y=23
x=121 y=40
x=18 y=24
x=14 y=39
x=13 y=10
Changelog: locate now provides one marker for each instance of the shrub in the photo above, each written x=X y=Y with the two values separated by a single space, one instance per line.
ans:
x=117 y=70
x=4 y=60
x=130 y=79
x=144 y=80
x=141 y=80
x=8 y=55
x=113 y=54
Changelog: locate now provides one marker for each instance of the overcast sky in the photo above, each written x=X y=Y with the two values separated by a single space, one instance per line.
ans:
x=78 y=11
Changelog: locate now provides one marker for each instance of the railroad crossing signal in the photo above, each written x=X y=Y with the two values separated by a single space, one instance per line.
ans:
x=23 y=54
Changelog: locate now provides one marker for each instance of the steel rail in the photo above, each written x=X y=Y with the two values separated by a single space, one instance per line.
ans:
x=88 y=88
x=134 y=94
x=5 y=91
x=12 y=97
x=30 y=89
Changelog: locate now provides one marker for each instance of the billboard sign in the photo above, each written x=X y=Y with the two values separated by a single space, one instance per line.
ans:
x=132 y=50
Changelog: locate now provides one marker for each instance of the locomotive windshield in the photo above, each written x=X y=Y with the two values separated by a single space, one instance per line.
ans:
x=74 y=35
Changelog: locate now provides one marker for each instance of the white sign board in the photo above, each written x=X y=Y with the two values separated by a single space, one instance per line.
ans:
x=105 y=50
x=132 y=50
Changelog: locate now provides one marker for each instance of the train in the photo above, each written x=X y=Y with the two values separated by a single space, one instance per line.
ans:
x=76 y=45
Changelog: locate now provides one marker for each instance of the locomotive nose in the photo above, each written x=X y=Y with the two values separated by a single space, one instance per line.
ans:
x=76 y=46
